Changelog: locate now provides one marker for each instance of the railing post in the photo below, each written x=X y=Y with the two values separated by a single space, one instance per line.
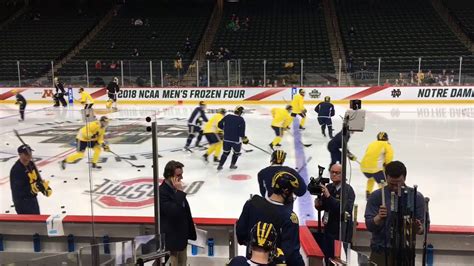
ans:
x=151 y=74
x=161 y=73
x=339 y=74
x=460 y=70
x=419 y=64
x=228 y=73
x=264 y=73
x=52 y=72
x=87 y=73
x=378 y=71
x=121 y=71
x=197 y=73
x=208 y=74
x=19 y=73
x=301 y=74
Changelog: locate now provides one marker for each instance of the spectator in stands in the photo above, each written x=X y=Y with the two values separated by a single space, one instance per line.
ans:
x=147 y=23
x=37 y=16
x=112 y=45
x=443 y=78
x=401 y=79
x=364 y=69
x=176 y=219
x=209 y=55
x=178 y=61
x=113 y=65
x=236 y=24
x=412 y=78
x=133 y=21
x=227 y=55
x=246 y=24
x=387 y=82
x=98 y=65
x=351 y=31
x=429 y=79
x=451 y=77
x=350 y=59
x=187 y=45
x=138 y=22
x=154 y=35
x=135 y=52
x=283 y=83
x=232 y=18
x=420 y=77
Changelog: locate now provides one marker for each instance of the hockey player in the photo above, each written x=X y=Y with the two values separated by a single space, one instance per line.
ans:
x=112 y=90
x=273 y=210
x=281 y=122
x=297 y=105
x=21 y=101
x=265 y=175
x=325 y=111
x=194 y=125
x=335 y=146
x=90 y=136
x=214 y=135
x=60 y=92
x=87 y=101
x=234 y=135
x=262 y=247
x=378 y=154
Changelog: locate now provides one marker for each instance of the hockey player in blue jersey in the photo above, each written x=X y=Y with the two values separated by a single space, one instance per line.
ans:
x=265 y=175
x=325 y=111
x=233 y=126
x=194 y=125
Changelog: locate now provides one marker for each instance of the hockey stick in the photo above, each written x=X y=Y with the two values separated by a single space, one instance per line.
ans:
x=306 y=145
x=255 y=146
x=19 y=137
x=304 y=165
x=132 y=164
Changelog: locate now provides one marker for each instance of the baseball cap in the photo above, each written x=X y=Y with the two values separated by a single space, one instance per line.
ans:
x=24 y=149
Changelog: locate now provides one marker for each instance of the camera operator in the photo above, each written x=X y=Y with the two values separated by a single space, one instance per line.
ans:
x=378 y=216
x=330 y=203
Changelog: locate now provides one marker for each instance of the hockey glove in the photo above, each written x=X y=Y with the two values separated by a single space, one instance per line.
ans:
x=221 y=135
x=106 y=147
x=351 y=156
x=245 y=140
x=43 y=187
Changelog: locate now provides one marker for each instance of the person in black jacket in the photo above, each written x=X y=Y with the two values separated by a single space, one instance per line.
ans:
x=335 y=148
x=176 y=220
x=60 y=92
x=112 y=91
x=26 y=183
x=233 y=126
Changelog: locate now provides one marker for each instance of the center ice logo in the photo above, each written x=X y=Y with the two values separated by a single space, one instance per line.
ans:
x=133 y=193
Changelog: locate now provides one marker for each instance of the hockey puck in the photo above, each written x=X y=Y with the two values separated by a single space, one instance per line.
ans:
x=64 y=181
x=40 y=171
x=148 y=119
x=64 y=211
x=6 y=143
x=62 y=207
x=148 y=129
x=52 y=175
x=75 y=178
x=7 y=211
x=138 y=170
x=11 y=206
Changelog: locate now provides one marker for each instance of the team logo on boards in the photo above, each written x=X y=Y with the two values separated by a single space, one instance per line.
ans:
x=315 y=94
x=133 y=193
x=47 y=93
x=396 y=93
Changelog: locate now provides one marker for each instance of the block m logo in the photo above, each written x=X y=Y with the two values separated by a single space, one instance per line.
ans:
x=47 y=93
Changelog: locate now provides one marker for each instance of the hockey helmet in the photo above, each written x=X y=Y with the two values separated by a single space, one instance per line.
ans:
x=56 y=79
x=382 y=136
x=301 y=91
x=263 y=235
x=104 y=121
x=116 y=80
x=239 y=110
x=327 y=99
x=202 y=104
x=288 y=107
x=278 y=157
x=284 y=182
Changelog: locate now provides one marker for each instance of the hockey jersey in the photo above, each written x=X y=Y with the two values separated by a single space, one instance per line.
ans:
x=324 y=109
x=377 y=154
x=297 y=104
x=92 y=132
x=197 y=114
x=233 y=126
x=281 y=117
x=211 y=125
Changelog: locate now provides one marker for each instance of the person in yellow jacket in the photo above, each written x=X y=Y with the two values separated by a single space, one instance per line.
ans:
x=298 y=107
x=281 y=121
x=214 y=136
x=87 y=101
x=90 y=136
x=378 y=154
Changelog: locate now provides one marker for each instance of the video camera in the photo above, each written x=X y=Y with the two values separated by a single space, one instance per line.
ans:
x=314 y=186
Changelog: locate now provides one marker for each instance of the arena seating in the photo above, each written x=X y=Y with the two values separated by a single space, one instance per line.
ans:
x=280 y=31
x=8 y=8
x=399 y=32
x=463 y=12
x=35 y=42
x=171 y=25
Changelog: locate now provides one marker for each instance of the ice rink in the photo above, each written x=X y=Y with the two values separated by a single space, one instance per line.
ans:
x=434 y=141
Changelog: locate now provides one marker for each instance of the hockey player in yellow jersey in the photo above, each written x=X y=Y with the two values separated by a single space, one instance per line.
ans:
x=281 y=122
x=298 y=107
x=90 y=136
x=87 y=101
x=378 y=154
x=214 y=135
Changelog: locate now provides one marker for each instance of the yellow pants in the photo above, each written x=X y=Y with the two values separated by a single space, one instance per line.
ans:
x=82 y=145
x=215 y=148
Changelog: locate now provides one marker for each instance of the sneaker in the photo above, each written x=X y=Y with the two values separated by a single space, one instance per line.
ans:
x=233 y=166
x=271 y=146
x=216 y=159
x=63 y=164
x=205 y=156
x=96 y=166
x=219 y=167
